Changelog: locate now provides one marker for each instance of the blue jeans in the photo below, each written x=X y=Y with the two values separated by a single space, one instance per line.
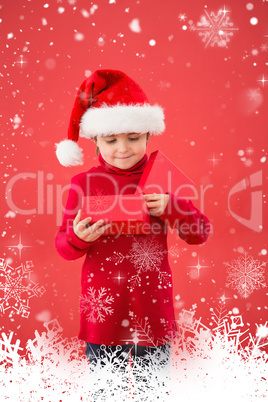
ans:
x=119 y=355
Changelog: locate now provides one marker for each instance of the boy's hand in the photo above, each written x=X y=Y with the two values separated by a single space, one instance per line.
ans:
x=156 y=203
x=84 y=231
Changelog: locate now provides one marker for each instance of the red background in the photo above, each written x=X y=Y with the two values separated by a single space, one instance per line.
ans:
x=209 y=114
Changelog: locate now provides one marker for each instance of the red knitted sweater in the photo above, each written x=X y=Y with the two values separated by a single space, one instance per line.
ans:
x=126 y=280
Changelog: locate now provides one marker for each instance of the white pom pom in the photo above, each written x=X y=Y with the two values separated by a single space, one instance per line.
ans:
x=69 y=153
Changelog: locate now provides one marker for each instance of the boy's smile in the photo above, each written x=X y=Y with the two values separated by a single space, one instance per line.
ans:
x=122 y=150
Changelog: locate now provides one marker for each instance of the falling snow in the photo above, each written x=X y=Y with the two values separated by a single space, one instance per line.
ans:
x=245 y=275
x=203 y=361
x=134 y=25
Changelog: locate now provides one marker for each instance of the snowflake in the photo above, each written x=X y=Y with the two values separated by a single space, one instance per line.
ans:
x=98 y=202
x=245 y=275
x=96 y=306
x=264 y=47
x=194 y=338
x=164 y=85
x=204 y=360
x=254 y=52
x=215 y=29
x=16 y=288
x=142 y=332
x=146 y=255
x=182 y=17
x=249 y=151
x=51 y=345
x=175 y=251
x=262 y=330
x=9 y=350
x=228 y=325
x=248 y=162
x=254 y=94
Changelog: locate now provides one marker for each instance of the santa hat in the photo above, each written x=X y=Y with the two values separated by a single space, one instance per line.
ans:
x=108 y=103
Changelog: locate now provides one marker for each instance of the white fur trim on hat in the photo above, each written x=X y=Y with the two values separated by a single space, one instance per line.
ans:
x=69 y=153
x=113 y=120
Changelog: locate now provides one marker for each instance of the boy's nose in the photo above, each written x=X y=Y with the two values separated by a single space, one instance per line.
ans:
x=123 y=148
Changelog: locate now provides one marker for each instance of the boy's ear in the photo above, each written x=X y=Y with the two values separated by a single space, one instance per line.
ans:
x=97 y=148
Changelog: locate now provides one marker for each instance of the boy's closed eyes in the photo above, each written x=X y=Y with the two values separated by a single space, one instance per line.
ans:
x=130 y=138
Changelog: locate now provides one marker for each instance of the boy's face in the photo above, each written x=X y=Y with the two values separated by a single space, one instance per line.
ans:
x=122 y=150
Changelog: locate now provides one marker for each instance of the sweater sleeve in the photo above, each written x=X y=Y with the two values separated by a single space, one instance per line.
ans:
x=192 y=225
x=68 y=245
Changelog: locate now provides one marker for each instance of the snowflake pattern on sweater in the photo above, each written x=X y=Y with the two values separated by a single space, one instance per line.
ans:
x=146 y=255
x=96 y=306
